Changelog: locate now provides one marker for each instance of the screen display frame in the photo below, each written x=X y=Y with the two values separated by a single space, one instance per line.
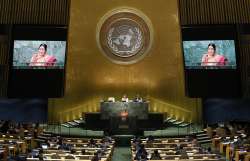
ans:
x=22 y=82
x=37 y=33
x=50 y=56
x=204 y=83
x=221 y=55
x=209 y=33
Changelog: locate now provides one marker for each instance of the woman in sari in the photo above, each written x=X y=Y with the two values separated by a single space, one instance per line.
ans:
x=211 y=58
x=41 y=58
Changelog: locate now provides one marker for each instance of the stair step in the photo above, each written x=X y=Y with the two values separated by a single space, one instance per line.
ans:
x=172 y=120
x=169 y=118
x=72 y=123
x=79 y=121
x=199 y=132
x=178 y=122
x=205 y=141
x=203 y=138
x=45 y=136
x=66 y=125
x=40 y=140
x=46 y=133
x=201 y=135
x=184 y=124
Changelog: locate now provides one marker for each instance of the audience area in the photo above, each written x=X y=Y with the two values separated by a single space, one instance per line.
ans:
x=19 y=142
x=231 y=139
x=26 y=142
x=186 y=148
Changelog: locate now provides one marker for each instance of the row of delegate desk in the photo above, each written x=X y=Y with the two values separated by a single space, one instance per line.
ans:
x=78 y=145
x=11 y=144
x=167 y=149
x=228 y=147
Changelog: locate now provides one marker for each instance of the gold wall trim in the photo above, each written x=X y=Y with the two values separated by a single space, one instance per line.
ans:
x=171 y=110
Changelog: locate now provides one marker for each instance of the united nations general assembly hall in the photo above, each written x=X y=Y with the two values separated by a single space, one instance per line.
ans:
x=125 y=80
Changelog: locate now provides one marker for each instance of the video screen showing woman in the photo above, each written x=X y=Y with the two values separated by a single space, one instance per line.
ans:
x=39 y=54
x=211 y=54
x=212 y=58
x=42 y=58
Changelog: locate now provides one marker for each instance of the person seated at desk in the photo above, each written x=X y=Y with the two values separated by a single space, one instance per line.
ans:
x=247 y=141
x=55 y=156
x=143 y=157
x=150 y=139
x=194 y=141
x=136 y=139
x=111 y=99
x=83 y=152
x=182 y=152
x=136 y=142
x=72 y=151
x=138 y=98
x=209 y=150
x=107 y=137
x=140 y=152
x=95 y=157
x=124 y=98
x=40 y=154
x=69 y=156
x=155 y=155
x=104 y=145
x=92 y=143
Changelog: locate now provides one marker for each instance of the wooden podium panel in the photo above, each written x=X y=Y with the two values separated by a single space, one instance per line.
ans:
x=134 y=109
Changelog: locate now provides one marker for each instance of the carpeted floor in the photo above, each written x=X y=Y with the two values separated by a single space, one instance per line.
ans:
x=121 y=154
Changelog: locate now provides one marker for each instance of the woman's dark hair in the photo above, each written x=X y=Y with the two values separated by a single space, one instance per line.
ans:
x=213 y=45
x=43 y=45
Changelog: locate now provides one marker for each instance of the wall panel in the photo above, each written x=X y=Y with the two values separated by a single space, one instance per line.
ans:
x=90 y=77
x=28 y=12
x=50 y=12
x=214 y=11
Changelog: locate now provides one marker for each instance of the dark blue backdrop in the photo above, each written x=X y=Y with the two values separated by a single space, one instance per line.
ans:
x=24 y=110
x=224 y=110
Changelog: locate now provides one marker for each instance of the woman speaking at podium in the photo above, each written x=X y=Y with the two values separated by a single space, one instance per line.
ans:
x=124 y=98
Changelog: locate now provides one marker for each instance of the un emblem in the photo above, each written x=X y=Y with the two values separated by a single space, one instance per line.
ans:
x=124 y=35
x=124 y=40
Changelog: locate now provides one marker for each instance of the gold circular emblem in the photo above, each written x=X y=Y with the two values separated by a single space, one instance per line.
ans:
x=124 y=35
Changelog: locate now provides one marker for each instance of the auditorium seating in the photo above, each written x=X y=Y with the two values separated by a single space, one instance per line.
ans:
x=32 y=144
x=168 y=147
x=231 y=141
x=76 y=149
